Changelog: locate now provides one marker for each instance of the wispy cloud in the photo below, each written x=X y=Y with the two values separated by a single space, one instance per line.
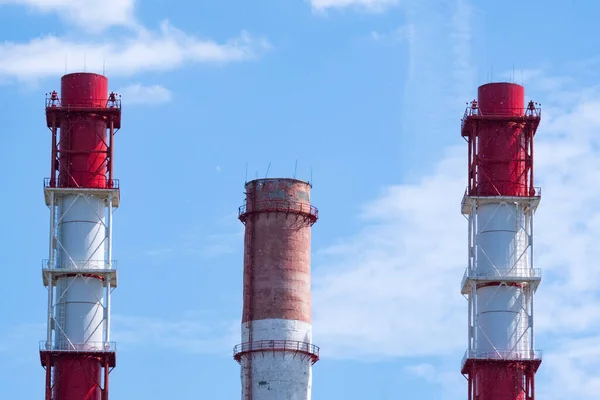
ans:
x=425 y=371
x=189 y=333
x=398 y=277
x=440 y=68
x=448 y=381
x=140 y=94
x=395 y=35
x=19 y=342
x=400 y=241
x=391 y=281
x=460 y=35
x=124 y=52
x=200 y=240
x=90 y=15
x=166 y=49
x=366 y=5
x=572 y=369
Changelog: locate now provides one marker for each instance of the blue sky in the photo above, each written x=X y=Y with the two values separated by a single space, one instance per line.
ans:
x=367 y=95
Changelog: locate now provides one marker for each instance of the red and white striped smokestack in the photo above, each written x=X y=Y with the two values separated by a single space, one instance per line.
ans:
x=79 y=273
x=277 y=353
x=500 y=281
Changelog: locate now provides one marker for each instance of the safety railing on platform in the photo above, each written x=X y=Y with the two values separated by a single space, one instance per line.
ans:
x=53 y=102
x=66 y=182
x=514 y=355
x=279 y=206
x=492 y=274
x=537 y=192
x=79 y=264
x=87 y=347
x=276 y=345
x=532 y=112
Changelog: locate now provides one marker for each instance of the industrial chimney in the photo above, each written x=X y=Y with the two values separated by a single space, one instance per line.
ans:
x=79 y=272
x=277 y=354
x=500 y=281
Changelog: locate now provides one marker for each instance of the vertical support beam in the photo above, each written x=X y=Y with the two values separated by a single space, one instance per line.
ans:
x=470 y=384
x=50 y=311
x=532 y=266
x=473 y=317
x=106 y=372
x=109 y=255
x=107 y=317
x=531 y=332
x=531 y=261
x=474 y=158
x=470 y=244
x=52 y=231
x=109 y=232
x=473 y=238
x=532 y=382
x=50 y=276
x=470 y=325
x=48 y=378
x=111 y=153
x=470 y=166
x=530 y=133
x=54 y=152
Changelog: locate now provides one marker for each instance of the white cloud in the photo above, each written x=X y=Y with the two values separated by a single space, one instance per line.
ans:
x=460 y=35
x=572 y=369
x=369 y=5
x=356 y=308
x=450 y=382
x=125 y=53
x=90 y=15
x=140 y=94
x=164 y=50
x=398 y=34
x=387 y=292
x=202 y=241
x=425 y=371
x=18 y=341
x=392 y=289
x=190 y=333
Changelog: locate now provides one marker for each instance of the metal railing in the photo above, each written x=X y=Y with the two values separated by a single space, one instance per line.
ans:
x=530 y=112
x=55 y=103
x=505 y=112
x=276 y=345
x=499 y=274
x=537 y=192
x=97 y=183
x=513 y=355
x=280 y=206
x=87 y=347
x=78 y=264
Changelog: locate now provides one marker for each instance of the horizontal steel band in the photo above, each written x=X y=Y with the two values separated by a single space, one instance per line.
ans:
x=286 y=206
x=517 y=275
x=96 y=183
x=51 y=352
x=95 y=104
x=79 y=264
x=291 y=346
x=514 y=355
x=103 y=188
x=87 y=347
